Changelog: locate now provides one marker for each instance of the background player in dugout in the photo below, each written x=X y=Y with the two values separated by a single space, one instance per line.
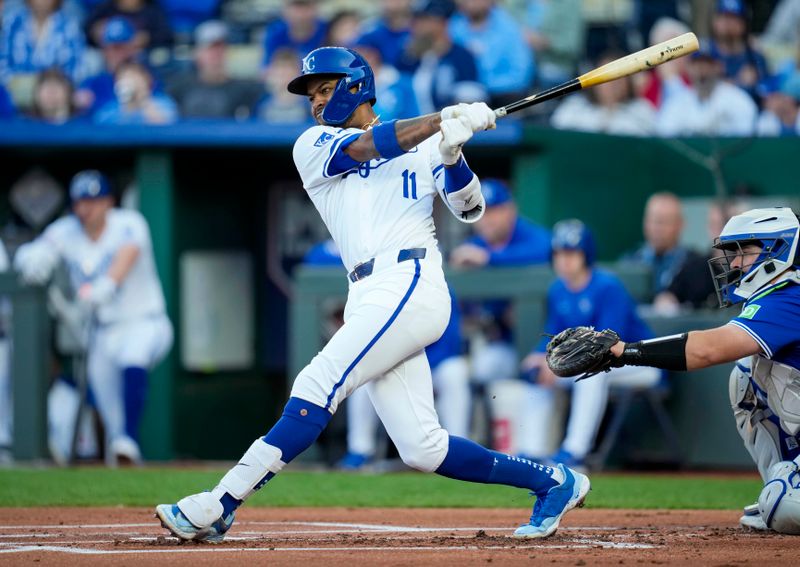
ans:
x=759 y=267
x=109 y=257
x=373 y=184
x=582 y=295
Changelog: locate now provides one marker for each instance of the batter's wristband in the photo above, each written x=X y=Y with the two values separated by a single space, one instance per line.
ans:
x=386 y=142
x=668 y=353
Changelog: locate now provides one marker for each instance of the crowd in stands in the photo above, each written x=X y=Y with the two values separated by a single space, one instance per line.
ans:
x=159 y=61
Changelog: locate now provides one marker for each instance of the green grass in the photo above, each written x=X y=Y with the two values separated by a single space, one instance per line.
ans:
x=146 y=487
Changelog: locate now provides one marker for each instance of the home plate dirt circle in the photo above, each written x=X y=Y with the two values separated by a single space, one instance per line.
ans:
x=356 y=536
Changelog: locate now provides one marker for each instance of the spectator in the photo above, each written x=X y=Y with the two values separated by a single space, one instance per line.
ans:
x=395 y=93
x=6 y=399
x=611 y=108
x=582 y=295
x=391 y=32
x=780 y=116
x=744 y=65
x=503 y=239
x=710 y=107
x=38 y=36
x=674 y=266
x=135 y=101
x=443 y=72
x=185 y=15
x=300 y=29
x=496 y=40
x=52 y=97
x=152 y=26
x=207 y=91
x=118 y=46
x=343 y=28
x=7 y=109
x=655 y=81
x=557 y=33
x=278 y=105
x=783 y=29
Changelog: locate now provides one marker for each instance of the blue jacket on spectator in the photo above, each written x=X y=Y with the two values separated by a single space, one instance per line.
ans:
x=390 y=43
x=445 y=80
x=505 y=62
x=114 y=112
x=529 y=244
x=604 y=304
x=277 y=36
x=396 y=98
x=61 y=46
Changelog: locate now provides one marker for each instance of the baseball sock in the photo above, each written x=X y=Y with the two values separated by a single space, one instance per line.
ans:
x=296 y=430
x=466 y=460
x=134 y=380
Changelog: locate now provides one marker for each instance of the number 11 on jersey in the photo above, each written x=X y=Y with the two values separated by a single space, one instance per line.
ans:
x=409 y=179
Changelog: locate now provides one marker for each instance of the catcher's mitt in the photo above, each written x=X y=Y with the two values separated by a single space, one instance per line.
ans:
x=582 y=350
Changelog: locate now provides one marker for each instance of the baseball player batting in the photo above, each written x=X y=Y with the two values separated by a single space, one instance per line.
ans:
x=759 y=266
x=374 y=184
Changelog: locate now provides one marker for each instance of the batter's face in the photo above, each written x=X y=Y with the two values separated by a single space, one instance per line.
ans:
x=320 y=91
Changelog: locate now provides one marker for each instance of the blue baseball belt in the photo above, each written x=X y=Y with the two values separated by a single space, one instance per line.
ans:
x=364 y=269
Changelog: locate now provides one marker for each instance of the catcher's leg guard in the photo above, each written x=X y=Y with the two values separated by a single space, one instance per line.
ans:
x=760 y=435
x=779 y=501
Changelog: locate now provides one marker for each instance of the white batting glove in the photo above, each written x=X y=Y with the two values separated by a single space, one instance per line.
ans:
x=99 y=292
x=455 y=133
x=479 y=115
x=35 y=263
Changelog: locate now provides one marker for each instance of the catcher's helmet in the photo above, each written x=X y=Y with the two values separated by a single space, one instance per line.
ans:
x=354 y=72
x=89 y=184
x=572 y=234
x=776 y=230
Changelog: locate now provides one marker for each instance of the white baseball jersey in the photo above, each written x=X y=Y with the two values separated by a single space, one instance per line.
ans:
x=380 y=205
x=140 y=293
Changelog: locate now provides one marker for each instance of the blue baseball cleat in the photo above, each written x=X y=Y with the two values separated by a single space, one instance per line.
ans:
x=173 y=519
x=556 y=502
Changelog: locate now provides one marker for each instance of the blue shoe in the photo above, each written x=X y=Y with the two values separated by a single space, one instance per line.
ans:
x=556 y=502
x=173 y=519
x=352 y=462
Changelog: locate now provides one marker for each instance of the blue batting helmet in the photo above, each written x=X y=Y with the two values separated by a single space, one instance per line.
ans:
x=89 y=184
x=354 y=72
x=572 y=234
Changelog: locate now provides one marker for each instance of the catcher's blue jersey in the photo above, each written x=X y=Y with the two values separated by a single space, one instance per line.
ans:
x=772 y=318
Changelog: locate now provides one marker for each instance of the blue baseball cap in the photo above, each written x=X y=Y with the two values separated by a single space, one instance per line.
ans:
x=118 y=30
x=707 y=50
x=735 y=7
x=89 y=184
x=495 y=192
x=572 y=234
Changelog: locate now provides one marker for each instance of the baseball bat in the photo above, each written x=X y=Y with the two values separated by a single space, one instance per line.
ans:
x=645 y=59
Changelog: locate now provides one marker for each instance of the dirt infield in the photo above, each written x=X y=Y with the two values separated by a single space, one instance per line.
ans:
x=347 y=536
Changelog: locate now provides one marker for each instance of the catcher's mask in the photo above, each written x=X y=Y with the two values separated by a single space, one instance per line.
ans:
x=775 y=232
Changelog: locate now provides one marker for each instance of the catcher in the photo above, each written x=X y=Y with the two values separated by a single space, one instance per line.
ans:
x=760 y=266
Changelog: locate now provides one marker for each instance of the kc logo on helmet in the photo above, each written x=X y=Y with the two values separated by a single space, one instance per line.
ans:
x=308 y=64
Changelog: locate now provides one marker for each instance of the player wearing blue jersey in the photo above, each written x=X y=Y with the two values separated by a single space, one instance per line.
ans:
x=374 y=185
x=760 y=266
x=582 y=295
